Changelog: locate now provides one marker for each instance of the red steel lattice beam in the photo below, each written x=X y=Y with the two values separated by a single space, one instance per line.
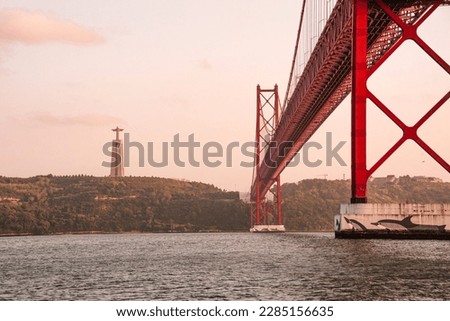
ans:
x=360 y=93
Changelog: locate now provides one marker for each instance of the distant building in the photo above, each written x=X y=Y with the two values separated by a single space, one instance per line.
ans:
x=244 y=196
x=424 y=179
x=9 y=199
x=390 y=179
x=117 y=169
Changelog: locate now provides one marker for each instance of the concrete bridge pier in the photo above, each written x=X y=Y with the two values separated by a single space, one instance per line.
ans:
x=397 y=221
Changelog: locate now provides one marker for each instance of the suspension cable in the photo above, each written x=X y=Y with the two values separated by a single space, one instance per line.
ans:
x=295 y=54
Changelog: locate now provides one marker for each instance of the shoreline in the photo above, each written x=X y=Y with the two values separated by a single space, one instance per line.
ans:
x=4 y=235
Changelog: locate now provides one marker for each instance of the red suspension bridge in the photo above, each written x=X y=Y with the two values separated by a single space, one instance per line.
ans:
x=340 y=44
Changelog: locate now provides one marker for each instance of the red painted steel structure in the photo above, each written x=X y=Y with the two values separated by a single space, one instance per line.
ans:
x=267 y=118
x=358 y=38
x=359 y=101
x=360 y=93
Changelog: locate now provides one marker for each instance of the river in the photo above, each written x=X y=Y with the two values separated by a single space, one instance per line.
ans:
x=222 y=266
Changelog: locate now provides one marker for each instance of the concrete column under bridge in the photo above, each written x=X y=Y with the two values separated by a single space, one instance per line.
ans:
x=409 y=221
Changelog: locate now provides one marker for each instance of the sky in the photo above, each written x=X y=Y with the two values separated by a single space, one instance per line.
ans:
x=70 y=71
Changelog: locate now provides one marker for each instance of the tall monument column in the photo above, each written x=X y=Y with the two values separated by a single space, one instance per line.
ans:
x=117 y=169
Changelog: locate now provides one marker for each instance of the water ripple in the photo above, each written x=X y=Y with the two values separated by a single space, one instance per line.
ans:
x=234 y=266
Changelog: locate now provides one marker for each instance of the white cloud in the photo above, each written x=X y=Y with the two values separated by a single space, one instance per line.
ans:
x=85 y=120
x=32 y=27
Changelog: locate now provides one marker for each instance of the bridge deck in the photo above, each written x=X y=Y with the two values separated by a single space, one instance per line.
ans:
x=326 y=79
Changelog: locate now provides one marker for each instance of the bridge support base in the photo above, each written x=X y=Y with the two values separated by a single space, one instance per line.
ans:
x=395 y=221
x=268 y=229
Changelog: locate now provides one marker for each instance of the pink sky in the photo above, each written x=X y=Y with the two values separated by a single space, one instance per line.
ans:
x=71 y=71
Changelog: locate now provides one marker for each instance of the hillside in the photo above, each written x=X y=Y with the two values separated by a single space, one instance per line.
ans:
x=47 y=204
x=78 y=204
x=309 y=205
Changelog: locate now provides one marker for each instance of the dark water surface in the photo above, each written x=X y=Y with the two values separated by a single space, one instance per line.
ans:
x=228 y=266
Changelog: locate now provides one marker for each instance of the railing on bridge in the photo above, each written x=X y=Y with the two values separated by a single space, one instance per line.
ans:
x=328 y=56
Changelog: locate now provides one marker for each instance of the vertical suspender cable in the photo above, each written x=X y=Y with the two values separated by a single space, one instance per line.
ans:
x=295 y=55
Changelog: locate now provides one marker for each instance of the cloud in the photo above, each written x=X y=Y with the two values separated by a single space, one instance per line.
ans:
x=205 y=64
x=32 y=27
x=85 y=120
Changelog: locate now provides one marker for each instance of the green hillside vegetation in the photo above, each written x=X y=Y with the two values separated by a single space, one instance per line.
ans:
x=71 y=204
x=85 y=204
x=310 y=205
